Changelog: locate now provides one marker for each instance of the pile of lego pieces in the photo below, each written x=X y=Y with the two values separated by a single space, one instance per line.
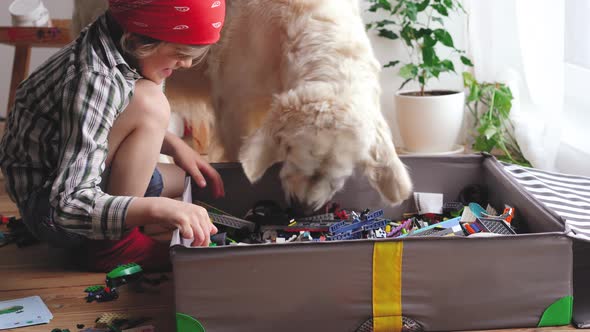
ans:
x=456 y=219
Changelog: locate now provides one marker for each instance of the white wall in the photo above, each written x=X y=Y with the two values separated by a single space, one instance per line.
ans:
x=385 y=50
x=57 y=9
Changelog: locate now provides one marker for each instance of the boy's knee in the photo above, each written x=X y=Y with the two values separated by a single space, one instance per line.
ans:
x=150 y=100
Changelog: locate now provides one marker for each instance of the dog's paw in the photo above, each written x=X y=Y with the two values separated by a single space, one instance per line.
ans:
x=385 y=171
x=392 y=181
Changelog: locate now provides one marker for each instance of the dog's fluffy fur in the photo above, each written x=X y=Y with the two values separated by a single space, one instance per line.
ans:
x=296 y=81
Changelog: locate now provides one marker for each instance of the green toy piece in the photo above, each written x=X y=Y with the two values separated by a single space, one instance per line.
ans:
x=11 y=309
x=185 y=323
x=93 y=288
x=558 y=313
x=124 y=270
x=123 y=275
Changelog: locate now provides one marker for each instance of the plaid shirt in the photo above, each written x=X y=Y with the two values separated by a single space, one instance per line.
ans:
x=56 y=135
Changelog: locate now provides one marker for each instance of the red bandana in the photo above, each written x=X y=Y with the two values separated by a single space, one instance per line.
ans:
x=191 y=22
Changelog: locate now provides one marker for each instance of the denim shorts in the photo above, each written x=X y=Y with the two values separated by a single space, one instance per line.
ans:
x=38 y=216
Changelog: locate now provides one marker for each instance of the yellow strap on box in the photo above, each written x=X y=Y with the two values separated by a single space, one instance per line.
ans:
x=387 y=286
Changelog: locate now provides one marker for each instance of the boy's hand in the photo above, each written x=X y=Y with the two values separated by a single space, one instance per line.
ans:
x=192 y=220
x=199 y=169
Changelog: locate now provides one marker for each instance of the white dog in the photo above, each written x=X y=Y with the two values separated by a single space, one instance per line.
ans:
x=296 y=81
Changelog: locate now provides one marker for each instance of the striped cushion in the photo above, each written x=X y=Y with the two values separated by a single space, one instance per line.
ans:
x=567 y=195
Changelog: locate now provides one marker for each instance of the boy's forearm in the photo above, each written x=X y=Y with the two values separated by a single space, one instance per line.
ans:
x=170 y=144
x=142 y=212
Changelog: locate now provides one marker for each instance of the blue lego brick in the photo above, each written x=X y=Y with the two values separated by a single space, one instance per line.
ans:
x=334 y=228
x=381 y=223
x=355 y=225
x=374 y=215
x=349 y=235
x=349 y=227
x=340 y=236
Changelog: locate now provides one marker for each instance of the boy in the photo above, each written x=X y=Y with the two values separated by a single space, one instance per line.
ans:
x=81 y=145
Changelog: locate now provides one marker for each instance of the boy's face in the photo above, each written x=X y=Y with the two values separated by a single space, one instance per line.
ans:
x=159 y=65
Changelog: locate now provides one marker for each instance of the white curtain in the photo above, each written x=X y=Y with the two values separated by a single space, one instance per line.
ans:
x=521 y=43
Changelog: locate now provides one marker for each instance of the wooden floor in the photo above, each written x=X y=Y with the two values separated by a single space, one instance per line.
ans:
x=37 y=270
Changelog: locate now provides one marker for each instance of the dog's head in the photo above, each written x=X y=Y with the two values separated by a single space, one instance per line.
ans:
x=320 y=142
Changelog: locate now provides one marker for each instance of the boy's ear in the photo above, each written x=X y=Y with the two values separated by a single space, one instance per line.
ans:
x=258 y=153
x=386 y=172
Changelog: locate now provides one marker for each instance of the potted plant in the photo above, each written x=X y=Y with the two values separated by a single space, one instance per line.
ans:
x=429 y=121
x=489 y=104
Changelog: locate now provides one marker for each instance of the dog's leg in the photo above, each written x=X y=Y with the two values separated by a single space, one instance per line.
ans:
x=384 y=169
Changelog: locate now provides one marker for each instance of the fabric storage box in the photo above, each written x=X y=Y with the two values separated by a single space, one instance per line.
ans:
x=444 y=284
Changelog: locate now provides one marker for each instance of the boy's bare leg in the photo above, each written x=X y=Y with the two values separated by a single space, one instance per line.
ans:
x=173 y=177
x=135 y=140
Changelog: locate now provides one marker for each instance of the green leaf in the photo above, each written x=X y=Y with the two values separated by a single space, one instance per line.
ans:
x=374 y=8
x=448 y=65
x=468 y=79
x=482 y=144
x=484 y=124
x=411 y=11
x=397 y=7
x=385 y=4
x=408 y=71
x=490 y=132
x=383 y=23
x=422 y=6
x=474 y=93
x=503 y=102
x=487 y=90
x=433 y=71
x=388 y=34
x=466 y=61
x=441 y=9
x=381 y=4
x=391 y=64
x=444 y=37
x=423 y=32
x=448 y=3
x=368 y=26
x=503 y=88
x=429 y=41
x=428 y=55
x=407 y=34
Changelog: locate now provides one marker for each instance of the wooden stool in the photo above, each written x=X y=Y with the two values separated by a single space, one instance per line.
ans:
x=23 y=40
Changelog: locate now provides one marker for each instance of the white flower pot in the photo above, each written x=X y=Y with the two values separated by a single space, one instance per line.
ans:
x=431 y=123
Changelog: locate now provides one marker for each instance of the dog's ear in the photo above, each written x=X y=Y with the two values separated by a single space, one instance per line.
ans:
x=385 y=171
x=258 y=153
